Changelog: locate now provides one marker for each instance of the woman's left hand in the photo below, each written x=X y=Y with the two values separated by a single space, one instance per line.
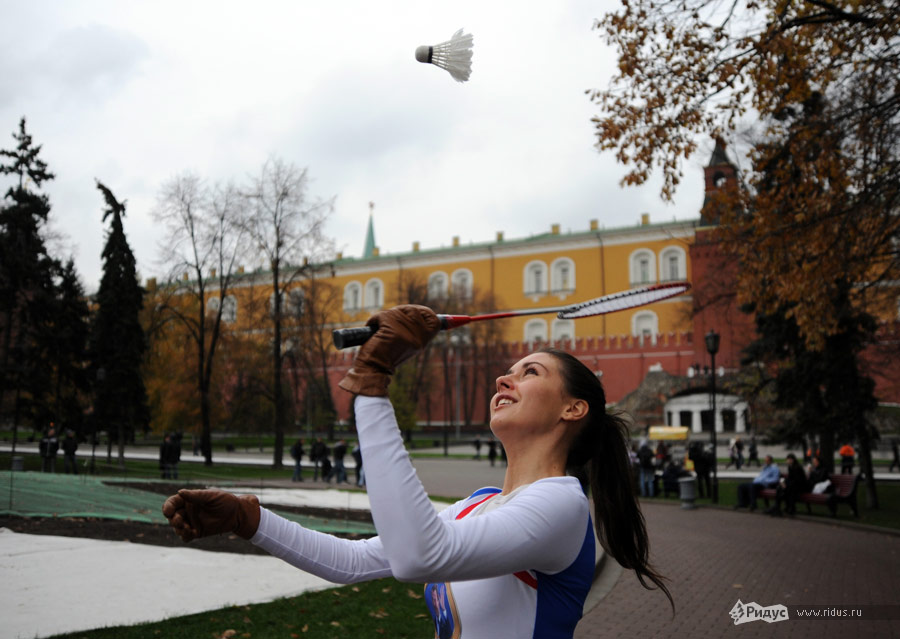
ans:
x=399 y=333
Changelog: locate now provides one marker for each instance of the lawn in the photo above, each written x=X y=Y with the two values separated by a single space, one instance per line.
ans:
x=382 y=608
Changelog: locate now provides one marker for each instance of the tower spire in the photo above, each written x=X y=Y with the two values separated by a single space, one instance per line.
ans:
x=369 y=250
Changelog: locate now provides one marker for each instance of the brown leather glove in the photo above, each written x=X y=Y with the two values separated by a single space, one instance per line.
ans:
x=201 y=513
x=399 y=333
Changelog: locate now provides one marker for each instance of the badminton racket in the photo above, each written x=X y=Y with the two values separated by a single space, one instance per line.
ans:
x=641 y=296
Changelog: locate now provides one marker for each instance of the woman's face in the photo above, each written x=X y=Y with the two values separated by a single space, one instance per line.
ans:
x=530 y=396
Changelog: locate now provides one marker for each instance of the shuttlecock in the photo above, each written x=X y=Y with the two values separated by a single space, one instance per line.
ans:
x=455 y=55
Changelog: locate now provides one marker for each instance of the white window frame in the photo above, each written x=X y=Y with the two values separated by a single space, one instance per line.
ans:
x=563 y=329
x=535 y=275
x=349 y=289
x=681 y=270
x=437 y=285
x=373 y=294
x=557 y=285
x=296 y=299
x=535 y=331
x=461 y=290
x=638 y=320
x=634 y=267
x=229 y=309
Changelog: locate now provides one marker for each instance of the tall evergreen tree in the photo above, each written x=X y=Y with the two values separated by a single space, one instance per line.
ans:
x=117 y=341
x=67 y=349
x=26 y=283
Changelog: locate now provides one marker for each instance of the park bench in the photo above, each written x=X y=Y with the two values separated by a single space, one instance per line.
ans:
x=843 y=492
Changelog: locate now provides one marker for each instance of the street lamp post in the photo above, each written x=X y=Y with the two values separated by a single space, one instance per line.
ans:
x=712 y=347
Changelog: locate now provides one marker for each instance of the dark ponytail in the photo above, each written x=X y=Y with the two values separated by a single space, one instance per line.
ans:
x=599 y=457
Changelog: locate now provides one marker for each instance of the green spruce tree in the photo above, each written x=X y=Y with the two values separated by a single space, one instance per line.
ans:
x=26 y=285
x=117 y=341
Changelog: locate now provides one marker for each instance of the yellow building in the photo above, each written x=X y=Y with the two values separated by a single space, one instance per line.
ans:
x=547 y=270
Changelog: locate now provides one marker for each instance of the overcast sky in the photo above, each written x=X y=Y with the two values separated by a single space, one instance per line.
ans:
x=133 y=93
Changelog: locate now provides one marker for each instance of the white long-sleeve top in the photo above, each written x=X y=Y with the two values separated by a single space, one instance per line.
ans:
x=516 y=565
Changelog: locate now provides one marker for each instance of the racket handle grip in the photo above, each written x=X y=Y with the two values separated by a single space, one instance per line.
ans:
x=359 y=335
x=348 y=337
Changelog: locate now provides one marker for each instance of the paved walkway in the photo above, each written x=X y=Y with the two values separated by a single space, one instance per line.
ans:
x=714 y=557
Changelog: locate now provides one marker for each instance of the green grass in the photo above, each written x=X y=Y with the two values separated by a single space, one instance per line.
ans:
x=382 y=608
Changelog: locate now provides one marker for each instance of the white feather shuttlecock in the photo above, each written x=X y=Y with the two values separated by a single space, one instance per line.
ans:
x=455 y=55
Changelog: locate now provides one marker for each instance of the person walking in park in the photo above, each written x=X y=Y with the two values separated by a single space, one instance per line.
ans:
x=69 y=446
x=297 y=455
x=703 y=467
x=492 y=452
x=358 y=460
x=527 y=548
x=753 y=453
x=318 y=455
x=733 y=453
x=48 y=449
x=338 y=471
x=896 y=460
x=169 y=456
x=646 y=470
x=739 y=448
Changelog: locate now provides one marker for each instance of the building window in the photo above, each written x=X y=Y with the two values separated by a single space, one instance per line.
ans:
x=291 y=304
x=535 y=279
x=462 y=284
x=437 y=286
x=642 y=267
x=562 y=279
x=374 y=297
x=352 y=297
x=229 y=310
x=672 y=265
x=562 y=330
x=686 y=418
x=295 y=299
x=535 y=331
x=645 y=326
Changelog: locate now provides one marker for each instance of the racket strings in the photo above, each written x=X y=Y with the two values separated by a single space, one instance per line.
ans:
x=622 y=301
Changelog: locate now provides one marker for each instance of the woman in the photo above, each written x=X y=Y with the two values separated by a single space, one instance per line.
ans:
x=512 y=562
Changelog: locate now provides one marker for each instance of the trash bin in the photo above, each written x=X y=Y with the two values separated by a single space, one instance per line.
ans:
x=18 y=463
x=687 y=490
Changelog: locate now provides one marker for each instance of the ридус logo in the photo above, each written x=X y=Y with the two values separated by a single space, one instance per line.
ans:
x=747 y=612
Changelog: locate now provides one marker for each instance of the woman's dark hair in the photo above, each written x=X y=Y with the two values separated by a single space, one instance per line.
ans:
x=601 y=448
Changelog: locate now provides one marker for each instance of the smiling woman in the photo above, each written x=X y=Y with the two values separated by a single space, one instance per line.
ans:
x=515 y=561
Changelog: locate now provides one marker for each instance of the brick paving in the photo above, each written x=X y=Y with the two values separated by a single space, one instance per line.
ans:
x=714 y=556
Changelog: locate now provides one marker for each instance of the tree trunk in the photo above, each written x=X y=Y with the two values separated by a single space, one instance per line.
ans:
x=277 y=394
x=865 y=464
x=206 y=430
